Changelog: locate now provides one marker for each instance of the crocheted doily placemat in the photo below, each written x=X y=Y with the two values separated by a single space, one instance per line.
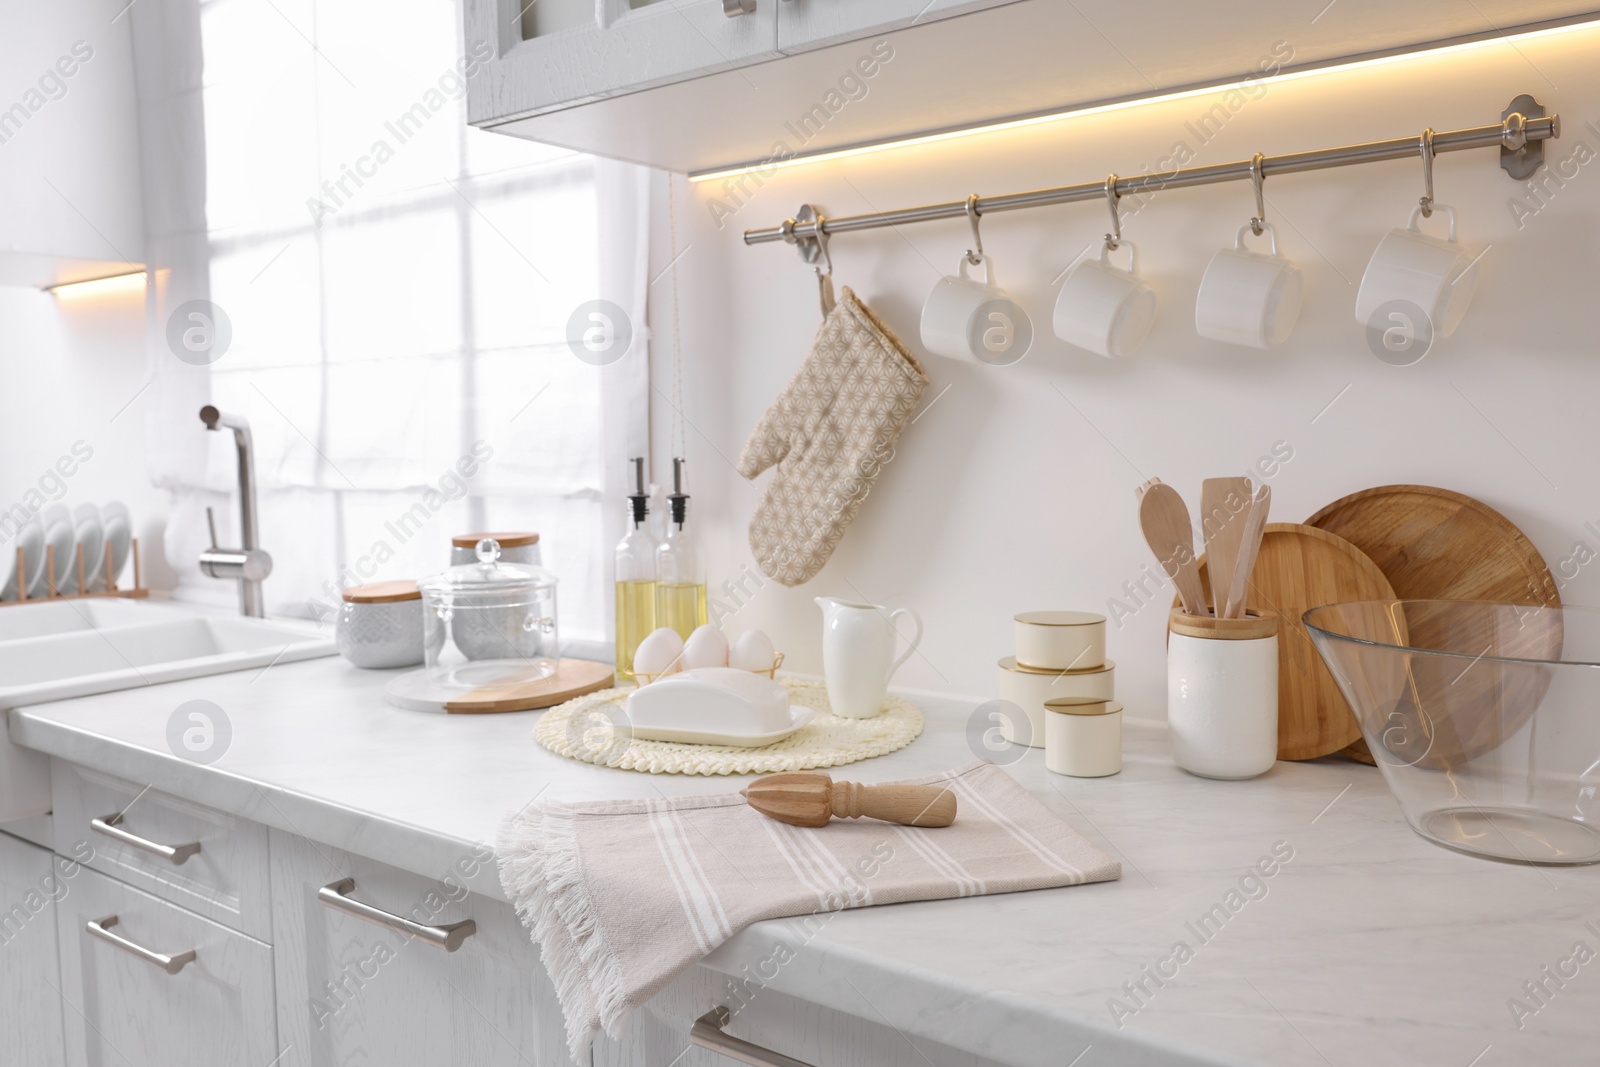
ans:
x=593 y=729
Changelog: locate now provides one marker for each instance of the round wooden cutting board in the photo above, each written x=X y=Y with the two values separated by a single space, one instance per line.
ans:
x=1300 y=568
x=1434 y=544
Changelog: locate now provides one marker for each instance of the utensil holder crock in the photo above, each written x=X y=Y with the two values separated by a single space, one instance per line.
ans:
x=1222 y=694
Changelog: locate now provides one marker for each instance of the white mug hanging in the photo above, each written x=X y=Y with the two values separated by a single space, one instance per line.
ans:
x=975 y=320
x=1249 y=298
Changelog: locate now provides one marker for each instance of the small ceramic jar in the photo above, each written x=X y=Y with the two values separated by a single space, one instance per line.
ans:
x=1029 y=689
x=380 y=625
x=1222 y=694
x=516 y=546
x=1061 y=640
x=1083 y=737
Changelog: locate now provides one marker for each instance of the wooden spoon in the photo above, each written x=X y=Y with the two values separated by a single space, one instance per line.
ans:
x=1254 y=524
x=1222 y=504
x=1164 y=518
x=811 y=798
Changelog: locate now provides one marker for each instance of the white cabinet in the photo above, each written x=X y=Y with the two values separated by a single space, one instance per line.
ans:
x=362 y=990
x=69 y=133
x=806 y=24
x=526 y=58
x=133 y=998
x=31 y=882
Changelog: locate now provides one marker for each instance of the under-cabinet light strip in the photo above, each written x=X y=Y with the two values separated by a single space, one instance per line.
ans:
x=114 y=283
x=765 y=168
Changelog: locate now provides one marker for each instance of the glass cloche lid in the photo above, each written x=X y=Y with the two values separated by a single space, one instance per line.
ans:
x=488 y=578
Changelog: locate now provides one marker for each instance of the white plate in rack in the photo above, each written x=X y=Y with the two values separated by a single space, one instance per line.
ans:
x=30 y=538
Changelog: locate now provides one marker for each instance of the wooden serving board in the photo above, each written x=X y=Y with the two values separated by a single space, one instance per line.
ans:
x=573 y=678
x=1300 y=568
x=1435 y=544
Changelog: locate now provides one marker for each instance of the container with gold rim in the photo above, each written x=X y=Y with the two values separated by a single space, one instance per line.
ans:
x=1061 y=640
x=1028 y=688
x=1083 y=736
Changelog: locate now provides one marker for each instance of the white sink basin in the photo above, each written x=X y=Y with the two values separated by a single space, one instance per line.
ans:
x=55 y=650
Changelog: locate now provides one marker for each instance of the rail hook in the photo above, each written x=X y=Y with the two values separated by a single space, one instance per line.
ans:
x=824 y=279
x=1114 y=238
x=974 y=254
x=1258 y=179
x=1426 y=202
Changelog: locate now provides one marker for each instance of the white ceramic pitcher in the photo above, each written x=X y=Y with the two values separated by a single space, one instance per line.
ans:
x=858 y=654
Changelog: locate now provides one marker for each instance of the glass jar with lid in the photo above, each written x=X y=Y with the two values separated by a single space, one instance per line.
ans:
x=489 y=622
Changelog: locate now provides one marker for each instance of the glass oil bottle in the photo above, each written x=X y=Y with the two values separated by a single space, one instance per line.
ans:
x=635 y=577
x=680 y=579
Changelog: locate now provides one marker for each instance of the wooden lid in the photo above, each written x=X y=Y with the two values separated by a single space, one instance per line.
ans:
x=1060 y=618
x=383 y=592
x=1082 y=706
x=1010 y=664
x=507 y=539
x=1249 y=628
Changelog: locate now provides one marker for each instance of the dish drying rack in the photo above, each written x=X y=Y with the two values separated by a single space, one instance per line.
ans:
x=138 y=592
x=641 y=680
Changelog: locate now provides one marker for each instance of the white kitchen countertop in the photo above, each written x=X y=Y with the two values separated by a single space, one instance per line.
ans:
x=1369 y=946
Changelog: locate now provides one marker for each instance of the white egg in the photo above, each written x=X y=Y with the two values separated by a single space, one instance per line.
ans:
x=706 y=647
x=752 y=652
x=659 y=652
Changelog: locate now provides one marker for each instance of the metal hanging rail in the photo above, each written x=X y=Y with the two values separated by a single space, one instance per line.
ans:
x=1518 y=135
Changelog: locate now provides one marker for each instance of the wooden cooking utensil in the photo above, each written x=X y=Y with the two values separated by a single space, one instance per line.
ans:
x=1165 y=521
x=1434 y=544
x=811 y=798
x=1255 y=524
x=1222 y=505
x=1298 y=568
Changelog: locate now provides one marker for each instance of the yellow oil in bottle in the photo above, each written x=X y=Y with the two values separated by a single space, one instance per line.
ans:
x=636 y=617
x=680 y=606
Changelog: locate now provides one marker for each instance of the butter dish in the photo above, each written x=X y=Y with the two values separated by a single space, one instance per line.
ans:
x=715 y=706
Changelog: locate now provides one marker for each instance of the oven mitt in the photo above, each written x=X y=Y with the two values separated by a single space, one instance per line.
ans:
x=830 y=431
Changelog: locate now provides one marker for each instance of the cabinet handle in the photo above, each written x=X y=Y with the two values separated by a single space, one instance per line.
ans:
x=336 y=895
x=111 y=826
x=101 y=928
x=734 y=8
x=707 y=1032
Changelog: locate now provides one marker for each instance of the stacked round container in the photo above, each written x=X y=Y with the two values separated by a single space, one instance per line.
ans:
x=1061 y=656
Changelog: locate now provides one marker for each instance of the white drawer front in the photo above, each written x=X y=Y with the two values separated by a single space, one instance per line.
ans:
x=32 y=882
x=122 y=1008
x=224 y=880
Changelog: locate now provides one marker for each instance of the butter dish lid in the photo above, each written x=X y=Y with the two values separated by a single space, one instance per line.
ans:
x=489 y=578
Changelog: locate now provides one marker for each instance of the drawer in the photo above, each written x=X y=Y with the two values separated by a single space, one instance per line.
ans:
x=151 y=846
x=134 y=996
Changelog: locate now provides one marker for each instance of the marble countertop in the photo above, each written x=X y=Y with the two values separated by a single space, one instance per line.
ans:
x=1364 y=945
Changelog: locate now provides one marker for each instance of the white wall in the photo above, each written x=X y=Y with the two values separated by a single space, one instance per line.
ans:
x=1015 y=490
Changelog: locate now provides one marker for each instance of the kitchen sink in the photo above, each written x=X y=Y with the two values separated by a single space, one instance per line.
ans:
x=73 y=648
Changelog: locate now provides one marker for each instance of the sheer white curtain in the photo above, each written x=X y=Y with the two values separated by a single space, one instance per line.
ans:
x=397 y=289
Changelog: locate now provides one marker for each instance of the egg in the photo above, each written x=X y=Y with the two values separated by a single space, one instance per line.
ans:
x=752 y=652
x=659 y=652
x=706 y=647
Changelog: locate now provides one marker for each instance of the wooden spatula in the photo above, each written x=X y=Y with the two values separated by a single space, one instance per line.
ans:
x=1223 y=502
x=811 y=798
x=1165 y=521
x=1249 y=545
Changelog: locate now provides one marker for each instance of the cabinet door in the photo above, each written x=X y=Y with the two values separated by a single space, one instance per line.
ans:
x=358 y=990
x=808 y=24
x=31 y=882
x=532 y=57
x=124 y=1006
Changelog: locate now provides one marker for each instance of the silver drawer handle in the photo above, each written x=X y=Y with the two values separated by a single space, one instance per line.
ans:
x=336 y=895
x=111 y=826
x=707 y=1032
x=101 y=928
x=734 y=8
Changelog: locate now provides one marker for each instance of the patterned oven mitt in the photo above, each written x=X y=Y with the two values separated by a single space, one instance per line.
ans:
x=830 y=431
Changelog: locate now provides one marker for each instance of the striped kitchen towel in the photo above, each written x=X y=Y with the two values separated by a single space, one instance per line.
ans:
x=621 y=896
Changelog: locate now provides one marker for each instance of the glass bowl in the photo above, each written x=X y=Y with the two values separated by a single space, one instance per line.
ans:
x=489 y=622
x=1483 y=717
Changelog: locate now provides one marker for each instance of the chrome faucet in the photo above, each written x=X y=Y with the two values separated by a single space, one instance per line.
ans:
x=250 y=564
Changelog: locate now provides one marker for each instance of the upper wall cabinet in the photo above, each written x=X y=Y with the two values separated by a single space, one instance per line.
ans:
x=677 y=84
x=528 y=57
x=69 y=138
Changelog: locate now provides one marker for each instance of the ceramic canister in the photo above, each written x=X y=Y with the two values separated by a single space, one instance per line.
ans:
x=380 y=625
x=1029 y=689
x=1222 y=694
x=1061 y=640
x=519 y=546
x=1083 y=736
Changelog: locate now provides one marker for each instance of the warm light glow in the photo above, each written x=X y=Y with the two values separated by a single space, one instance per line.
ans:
x=93 y=287
x=765 y=168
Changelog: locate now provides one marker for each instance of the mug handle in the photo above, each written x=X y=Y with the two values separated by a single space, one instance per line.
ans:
x=1416 y=213
x=988 y=268
x=1133 y=254
x=911 y=647
x=1272 y=236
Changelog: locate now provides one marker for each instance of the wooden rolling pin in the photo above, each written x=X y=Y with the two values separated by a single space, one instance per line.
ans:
x=811 y=798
